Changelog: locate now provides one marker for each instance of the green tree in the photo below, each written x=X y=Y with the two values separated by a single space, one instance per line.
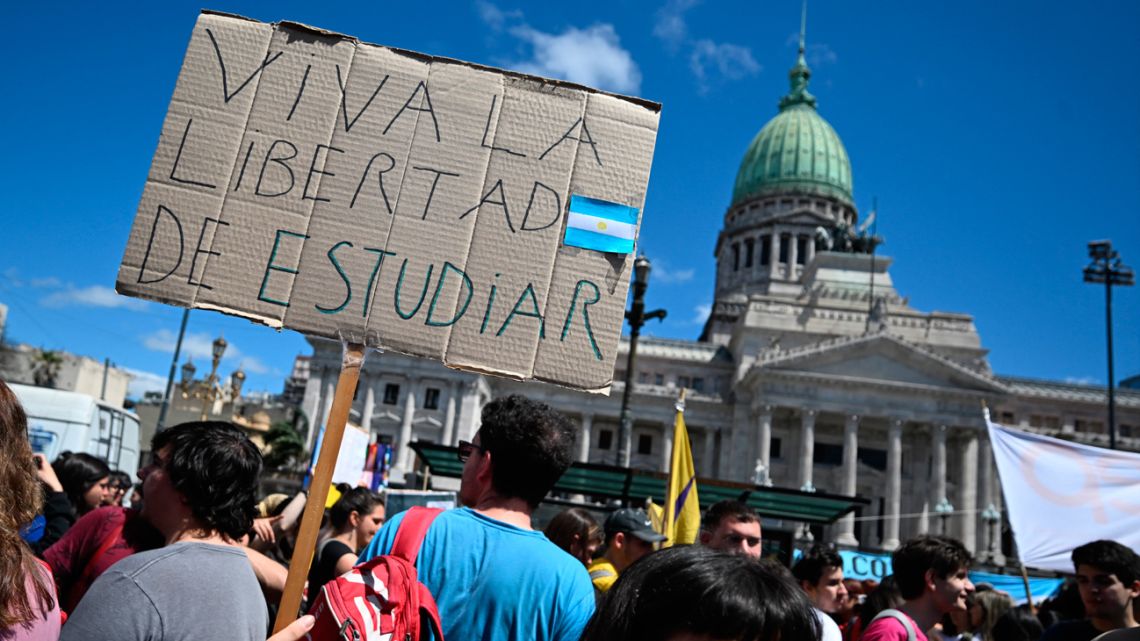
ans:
x=284 y=446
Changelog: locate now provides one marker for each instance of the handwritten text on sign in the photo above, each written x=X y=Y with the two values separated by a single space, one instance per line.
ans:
x=306 y=180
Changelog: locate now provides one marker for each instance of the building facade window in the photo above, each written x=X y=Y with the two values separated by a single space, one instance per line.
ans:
x=765 y=250
x=683 y=381
x=801 y=249
x=785 y=245
x=874 y=458
x=645 y=444
x=698 y=384
x=605 y=439
x=749 y=248
x=643 y=378
x=431 y=399
x=658 y=379
x=391 y=393
x=827 y=454
x=774 y=448
x=735 y=256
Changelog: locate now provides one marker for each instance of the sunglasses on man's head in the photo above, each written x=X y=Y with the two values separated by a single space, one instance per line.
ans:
x=466 y=449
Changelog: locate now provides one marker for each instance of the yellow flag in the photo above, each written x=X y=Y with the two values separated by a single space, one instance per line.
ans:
x=656 y=515
x=682 y=509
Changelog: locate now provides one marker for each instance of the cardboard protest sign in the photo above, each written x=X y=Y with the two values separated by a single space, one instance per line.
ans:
x=306 y=180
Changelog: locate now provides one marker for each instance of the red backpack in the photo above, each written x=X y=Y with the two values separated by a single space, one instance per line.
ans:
x=381 y=599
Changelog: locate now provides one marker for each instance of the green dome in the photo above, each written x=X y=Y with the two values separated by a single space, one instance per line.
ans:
x=796 y=152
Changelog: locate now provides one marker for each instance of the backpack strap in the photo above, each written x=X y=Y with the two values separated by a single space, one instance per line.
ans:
x=410 y=535
x=891 y=613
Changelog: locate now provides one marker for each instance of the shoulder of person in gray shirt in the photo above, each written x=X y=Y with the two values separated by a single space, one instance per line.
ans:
x=180 y=592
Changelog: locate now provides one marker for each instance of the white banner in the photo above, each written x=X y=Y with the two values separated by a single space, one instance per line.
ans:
x=1060 y=495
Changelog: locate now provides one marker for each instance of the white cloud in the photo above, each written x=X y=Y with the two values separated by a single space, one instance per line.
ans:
x=494 y=17
x=200 y=346
x=142 y=382
x=1082 y=380
x=701 y=314
x=817 y=54
x=47 y=283
x=727 y=60
x=592 y=56
x=92 y=296
x=670 y=26
x=664 y=274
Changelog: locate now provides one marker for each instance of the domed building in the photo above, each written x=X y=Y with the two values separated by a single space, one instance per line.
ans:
x=812 y=373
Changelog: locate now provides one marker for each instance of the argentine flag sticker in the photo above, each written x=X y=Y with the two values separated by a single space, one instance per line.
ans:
x=601 y=225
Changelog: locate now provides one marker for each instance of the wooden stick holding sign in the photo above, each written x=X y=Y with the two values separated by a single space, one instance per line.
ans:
x=350 y=366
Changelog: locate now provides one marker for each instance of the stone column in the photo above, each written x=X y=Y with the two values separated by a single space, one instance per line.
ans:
x=807 y=446
x=968 y=490
x=667 y=446
x=311 y=406
x=404 y=452
x=584 y=438
x=810 y=248
x=449 y=415
x=764 y=440
x=985 y=493
x=773 y=251
x=793 y=254
x=894 y=485
x=850 y=476
x=708 y=456
x=938 y=466
x=323 y=410
x=469 y=412
x=369 y=403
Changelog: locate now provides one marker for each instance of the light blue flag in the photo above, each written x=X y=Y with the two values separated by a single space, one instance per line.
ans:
x=601 y=225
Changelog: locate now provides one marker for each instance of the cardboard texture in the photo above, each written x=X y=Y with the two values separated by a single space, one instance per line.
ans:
x=306 y=180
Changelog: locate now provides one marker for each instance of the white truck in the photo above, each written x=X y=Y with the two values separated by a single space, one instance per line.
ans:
x=59 y=421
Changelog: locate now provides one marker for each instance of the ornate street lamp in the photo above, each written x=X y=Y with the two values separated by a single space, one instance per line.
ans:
x=991 y=517
x=188 y=370
x=237 y=379
x=944 y=509
x=636 y=315
x=210 y=393
x=1106 y=267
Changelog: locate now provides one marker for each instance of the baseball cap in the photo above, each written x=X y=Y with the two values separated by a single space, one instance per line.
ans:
x=633 y=521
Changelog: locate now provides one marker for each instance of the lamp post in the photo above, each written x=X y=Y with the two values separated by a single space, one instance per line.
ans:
x=1106 y=267
x=211 y=391
x=991 y=517
x=944 y=509
x=636 y=315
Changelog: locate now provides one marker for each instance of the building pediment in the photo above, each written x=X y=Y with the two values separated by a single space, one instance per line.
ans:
x=879 y=358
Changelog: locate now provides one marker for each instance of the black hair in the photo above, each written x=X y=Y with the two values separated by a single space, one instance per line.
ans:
x=721 y=510
x=121 y=480
x=529 y=443
x=911 y=561
x=1018 y=624
x=1109 y=556
x=215 y=467
x=810 y=566
x=885 y=595
x=573 y=522
x=358 y=499
x=78 y=473
x=693 y=589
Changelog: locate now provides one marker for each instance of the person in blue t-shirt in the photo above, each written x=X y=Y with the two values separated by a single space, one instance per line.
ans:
x=492 y=576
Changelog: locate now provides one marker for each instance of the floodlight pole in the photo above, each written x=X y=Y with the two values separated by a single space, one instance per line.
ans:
x=636 y=316
x=1107 y=267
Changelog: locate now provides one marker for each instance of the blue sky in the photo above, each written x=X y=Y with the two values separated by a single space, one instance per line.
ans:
x=998 y=138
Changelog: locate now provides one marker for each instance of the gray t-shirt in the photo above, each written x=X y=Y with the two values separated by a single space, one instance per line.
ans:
x=182 y=592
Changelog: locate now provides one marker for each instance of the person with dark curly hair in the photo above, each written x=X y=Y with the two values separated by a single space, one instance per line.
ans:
x=932 y=574
x=492 y=575
x=201 y=496
x=692 y=592
x=820 y=573
x=1108 y=577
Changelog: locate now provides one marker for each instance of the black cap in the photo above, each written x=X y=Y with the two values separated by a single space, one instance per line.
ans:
x=633 y=521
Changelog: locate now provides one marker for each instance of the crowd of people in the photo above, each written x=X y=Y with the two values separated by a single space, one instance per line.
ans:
x=198 y=554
